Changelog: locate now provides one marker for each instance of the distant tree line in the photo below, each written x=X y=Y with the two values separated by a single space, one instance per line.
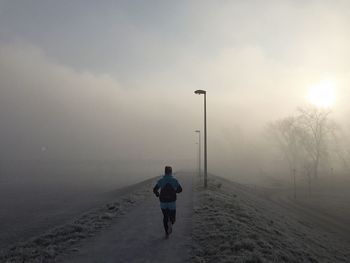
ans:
x=307 y=140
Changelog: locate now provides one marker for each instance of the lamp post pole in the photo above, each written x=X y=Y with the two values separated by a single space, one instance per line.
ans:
x=295 y=183
x=199 y=153
x=199 y=92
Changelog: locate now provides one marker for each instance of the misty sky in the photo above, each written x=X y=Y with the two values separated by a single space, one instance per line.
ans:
x=115 y=79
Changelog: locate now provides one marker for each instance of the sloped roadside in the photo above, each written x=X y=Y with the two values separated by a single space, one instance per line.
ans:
x=65 y=239
x=231 y=224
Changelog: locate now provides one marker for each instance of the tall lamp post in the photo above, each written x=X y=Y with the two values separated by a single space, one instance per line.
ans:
x=199 y=152
x=199 y=92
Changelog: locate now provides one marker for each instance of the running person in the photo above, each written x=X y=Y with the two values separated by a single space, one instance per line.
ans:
x=169 y=187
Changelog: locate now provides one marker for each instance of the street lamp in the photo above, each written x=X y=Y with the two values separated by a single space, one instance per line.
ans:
x=199 y=92
x=199 y=152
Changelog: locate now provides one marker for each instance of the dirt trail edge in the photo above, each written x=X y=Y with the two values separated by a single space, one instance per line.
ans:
x=138 y=236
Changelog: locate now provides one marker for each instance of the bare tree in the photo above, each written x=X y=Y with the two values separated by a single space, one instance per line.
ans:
x=316 y=130
x=286 y=133
x=338 y=148
x=306 y=141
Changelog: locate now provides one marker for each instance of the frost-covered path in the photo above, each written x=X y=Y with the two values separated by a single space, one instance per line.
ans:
x=139 y=236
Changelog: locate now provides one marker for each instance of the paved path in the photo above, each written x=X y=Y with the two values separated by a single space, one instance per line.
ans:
x=139 y=236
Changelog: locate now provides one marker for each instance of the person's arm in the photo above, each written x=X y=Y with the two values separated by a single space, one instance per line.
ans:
x=155 y=190
x=178 y=188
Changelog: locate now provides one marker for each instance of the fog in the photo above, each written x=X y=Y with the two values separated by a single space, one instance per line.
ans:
x=108 y=83
x=94 y=97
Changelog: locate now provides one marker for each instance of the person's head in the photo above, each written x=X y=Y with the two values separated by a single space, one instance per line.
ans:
x=168 y=170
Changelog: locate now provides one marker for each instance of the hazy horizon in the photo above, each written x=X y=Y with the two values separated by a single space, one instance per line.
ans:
x=115 y=80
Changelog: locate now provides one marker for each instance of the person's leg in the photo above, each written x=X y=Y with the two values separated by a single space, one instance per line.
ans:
x=172 y=216
x=165 y=219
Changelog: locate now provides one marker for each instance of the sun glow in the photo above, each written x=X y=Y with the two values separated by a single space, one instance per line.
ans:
x=322 y=94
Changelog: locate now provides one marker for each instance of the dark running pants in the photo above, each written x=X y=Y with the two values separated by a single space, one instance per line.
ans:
x=168 y=215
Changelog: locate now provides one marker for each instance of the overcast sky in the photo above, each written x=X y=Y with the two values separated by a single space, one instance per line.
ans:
x=98 y=79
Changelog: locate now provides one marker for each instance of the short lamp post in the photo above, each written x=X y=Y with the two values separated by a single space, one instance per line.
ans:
x=199 y=92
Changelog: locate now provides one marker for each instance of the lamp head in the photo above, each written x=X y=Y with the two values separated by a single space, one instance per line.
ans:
x=200 y=91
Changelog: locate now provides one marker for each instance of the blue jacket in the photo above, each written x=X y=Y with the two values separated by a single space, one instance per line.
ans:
x=169 y=187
